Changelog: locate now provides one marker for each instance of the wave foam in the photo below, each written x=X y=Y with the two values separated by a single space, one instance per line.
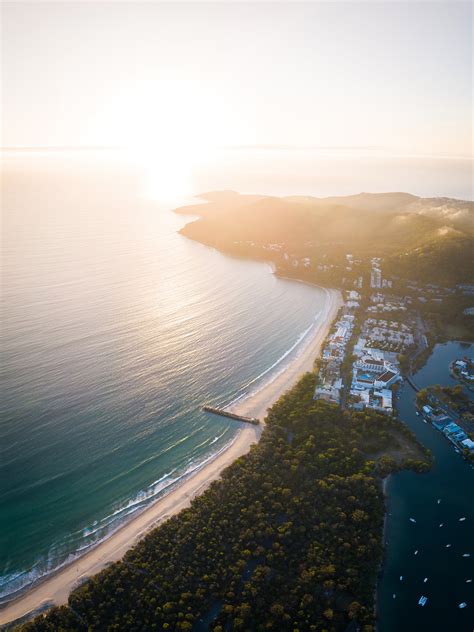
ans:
x=302 y=337
x=85 y=539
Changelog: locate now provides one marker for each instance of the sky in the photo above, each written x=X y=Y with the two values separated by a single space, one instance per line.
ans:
x=392 y=76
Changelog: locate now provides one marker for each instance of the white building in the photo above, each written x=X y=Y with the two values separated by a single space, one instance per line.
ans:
x=369 y=363
x=352 y=295
x=376 y=278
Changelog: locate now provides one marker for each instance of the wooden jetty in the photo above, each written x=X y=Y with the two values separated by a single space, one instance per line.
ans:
x=225 y=413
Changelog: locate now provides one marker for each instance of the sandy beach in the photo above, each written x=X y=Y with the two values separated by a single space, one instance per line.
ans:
x=56 y=587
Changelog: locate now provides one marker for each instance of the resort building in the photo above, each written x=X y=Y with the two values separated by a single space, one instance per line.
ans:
x=387 y=379
x=369 y=363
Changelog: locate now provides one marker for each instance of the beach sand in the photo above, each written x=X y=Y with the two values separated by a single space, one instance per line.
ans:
x=55 y=589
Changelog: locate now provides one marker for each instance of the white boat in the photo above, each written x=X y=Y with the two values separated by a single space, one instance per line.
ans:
x=468 y=581
x=417 y=413
x=401 y=577
x=422 y=600
x=462 y=605
x=439 y=500
x=425 y=580
x=441 y=524
x=447 y=546
x=462 y=519
x=394 y=595
x=416 y=552
x=412 y=520
x=466 y=555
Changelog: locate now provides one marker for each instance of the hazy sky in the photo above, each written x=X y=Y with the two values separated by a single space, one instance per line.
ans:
x=392 y=75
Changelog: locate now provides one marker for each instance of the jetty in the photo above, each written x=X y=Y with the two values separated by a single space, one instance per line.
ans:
x=225 y=413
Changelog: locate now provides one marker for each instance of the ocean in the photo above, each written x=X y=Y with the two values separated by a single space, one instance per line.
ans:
x=116 y=329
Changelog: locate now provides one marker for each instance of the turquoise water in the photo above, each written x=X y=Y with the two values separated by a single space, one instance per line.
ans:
x=414 y=495
x=115 y=330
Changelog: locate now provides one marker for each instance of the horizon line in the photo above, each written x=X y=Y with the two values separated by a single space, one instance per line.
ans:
x=248 y=147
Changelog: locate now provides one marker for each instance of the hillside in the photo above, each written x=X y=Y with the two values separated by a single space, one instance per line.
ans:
x=425 y=235
x=447 y=255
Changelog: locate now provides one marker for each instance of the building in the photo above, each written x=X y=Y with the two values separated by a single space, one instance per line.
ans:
x=352 y=295
x=369 y=363
x=340 y=334
x=382 y=400
x=386 y=379
x=455 y=433
x=376 y=277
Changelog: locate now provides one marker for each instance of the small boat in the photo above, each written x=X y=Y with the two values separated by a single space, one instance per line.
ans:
x=466 y=555
x=401 y=577
x=468 y=581
x=425 y=580
x=422 y=600
x=447 y=546
x=412 y=520
x=417 y=412
x=394 y=595
x=462 y=519
x=439 y=500
x=441 y=524
x=416 y=552
x=462 y=605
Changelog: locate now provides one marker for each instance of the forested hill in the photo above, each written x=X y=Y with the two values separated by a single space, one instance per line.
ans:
x=289 y=539
x=434 y=236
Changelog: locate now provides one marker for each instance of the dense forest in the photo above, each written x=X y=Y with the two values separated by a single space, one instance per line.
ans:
x=422 y=238
x=290 y=538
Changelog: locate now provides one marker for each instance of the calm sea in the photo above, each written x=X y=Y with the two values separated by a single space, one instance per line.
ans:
x=413 y=495
x=115 y=331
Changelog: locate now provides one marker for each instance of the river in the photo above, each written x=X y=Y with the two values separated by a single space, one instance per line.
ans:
x=451 y=480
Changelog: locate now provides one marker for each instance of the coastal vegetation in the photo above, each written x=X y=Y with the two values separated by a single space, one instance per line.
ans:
x=290 y=538
x=418 y=237
x=449 y=320
x=452 y=396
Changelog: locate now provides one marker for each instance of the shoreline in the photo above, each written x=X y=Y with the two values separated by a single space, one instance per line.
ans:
x=381 y=569
x=55 y=588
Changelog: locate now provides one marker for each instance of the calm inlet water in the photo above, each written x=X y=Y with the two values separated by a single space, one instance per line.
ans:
x=413 y=495
x=116 y=330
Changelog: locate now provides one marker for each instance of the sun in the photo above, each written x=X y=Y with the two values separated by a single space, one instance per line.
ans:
x=169 y=130
x=166 y=173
